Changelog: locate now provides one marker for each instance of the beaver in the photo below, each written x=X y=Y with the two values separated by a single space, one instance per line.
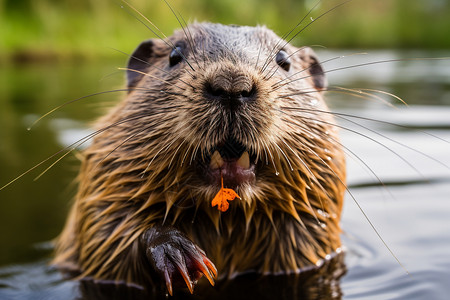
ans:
x=210 y=105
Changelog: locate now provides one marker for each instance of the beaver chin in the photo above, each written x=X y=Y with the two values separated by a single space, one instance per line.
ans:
x=231 y=162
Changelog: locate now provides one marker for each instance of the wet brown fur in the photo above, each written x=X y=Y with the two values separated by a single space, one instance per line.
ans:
x=142 y=168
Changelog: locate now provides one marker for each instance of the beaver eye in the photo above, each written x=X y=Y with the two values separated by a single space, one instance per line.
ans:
x=175 y=56
x=283 y=60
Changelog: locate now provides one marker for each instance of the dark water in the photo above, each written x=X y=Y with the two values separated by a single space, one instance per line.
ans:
x=409 y=209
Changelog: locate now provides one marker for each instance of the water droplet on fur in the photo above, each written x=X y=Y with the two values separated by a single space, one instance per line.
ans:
x=277 y=173
x=319 y=262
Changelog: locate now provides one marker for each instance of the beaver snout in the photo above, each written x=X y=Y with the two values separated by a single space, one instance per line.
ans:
x=230 y=86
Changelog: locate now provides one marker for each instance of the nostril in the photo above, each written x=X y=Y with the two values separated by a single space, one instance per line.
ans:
x=230 y=93
x=218 y=92
x=245 y=94
x=248 y=93
x=215 y=91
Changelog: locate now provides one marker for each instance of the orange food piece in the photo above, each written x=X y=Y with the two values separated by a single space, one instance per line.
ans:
x=222 y=197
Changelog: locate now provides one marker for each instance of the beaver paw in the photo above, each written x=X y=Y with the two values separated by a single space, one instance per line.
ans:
x=175 y=258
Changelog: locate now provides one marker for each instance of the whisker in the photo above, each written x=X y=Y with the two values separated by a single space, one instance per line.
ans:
x=316 y=181
x=369 y=64
x=276 y=86
x=365 y=119
x=298 y=156
x=371 y=139
x=384 y=93
x=354 y=155
x=92 y=95
x=165 y=39
x=72 y=101
x=397 y=142
x=315 y=20
x=120 y=145
x=264 y=147
x=149 y=75
x=391 y=124
x=184 y=28
x=205 y=57
x=285 y=157
x=259 y=54
x=365 y=94
x=68 y=149
x=185 y=154
x=154 y=157
x=194 y=153
x=273 y=162
x=348 y=150
x=355 y=92
x=310 y=23
x=277 y=67
x=362 y=210
x=271 y=55
x=54 y=163
x=376 y=231
x=151 y=65
x=312 y=178
x=358 y=93
x=176 y=151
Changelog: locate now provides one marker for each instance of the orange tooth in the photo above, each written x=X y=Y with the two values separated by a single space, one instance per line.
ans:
x=244 y=160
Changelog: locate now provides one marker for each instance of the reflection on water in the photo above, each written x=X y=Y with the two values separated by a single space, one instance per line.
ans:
x=410 y=211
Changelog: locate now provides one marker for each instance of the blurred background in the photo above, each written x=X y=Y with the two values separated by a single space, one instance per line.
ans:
x=54 y=51
x=49 y=29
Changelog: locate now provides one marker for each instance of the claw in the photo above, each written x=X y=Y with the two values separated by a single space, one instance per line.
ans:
x=168 y=282
x=208 y=275
x=206 y=267
x=210 y=266
x=184 y=273
x=205 y=270
x=172 y=255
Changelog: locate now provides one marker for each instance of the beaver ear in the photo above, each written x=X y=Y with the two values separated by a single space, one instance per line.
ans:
x=139 y=62
x=314 y=67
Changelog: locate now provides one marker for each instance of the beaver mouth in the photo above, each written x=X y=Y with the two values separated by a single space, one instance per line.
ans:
x=232 y=162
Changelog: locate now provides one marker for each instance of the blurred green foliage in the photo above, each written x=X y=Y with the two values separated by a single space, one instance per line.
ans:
x=39 y=29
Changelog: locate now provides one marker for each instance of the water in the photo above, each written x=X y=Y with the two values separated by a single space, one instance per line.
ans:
x=410 y=211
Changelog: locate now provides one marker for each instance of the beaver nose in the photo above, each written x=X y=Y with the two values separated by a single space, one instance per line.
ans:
x=231 y=89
